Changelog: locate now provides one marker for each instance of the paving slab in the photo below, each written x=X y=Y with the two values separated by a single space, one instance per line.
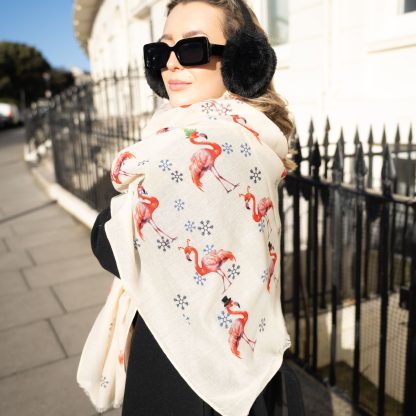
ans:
x=73 y=328
x=14 y=260
x=47 y=236
x=46 y=390
x=84 y=292
x=20 y=203
x=32 y=306
x=12 y=282
x=28 y=346
x=3 y=247
x=34 y=226
x=61 y=271
x=5 y=230
x=60 y=250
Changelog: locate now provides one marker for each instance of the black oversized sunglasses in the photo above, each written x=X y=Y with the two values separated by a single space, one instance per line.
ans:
x=189 y=51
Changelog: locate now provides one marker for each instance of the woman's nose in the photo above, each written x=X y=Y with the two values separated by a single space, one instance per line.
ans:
x=173 y=62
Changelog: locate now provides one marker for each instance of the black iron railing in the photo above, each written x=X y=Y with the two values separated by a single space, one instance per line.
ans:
x=348 y=278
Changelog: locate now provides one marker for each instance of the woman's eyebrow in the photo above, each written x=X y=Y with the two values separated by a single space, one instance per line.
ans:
x=185 y=35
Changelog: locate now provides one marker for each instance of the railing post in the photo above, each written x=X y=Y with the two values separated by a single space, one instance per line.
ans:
x=337 y=173
x=360 y=171
x=410 y=380
x=316 y=163
x=387 y=174
x=324 y=195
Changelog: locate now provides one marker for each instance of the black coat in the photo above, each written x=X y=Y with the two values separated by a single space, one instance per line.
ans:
x=153 y=385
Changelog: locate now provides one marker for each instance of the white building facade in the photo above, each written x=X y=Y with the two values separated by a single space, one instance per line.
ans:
x=351 y=60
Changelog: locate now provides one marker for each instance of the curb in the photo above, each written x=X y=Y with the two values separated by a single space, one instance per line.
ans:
x=75 y=206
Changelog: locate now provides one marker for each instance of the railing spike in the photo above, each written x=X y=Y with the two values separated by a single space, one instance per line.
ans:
x=388 y=171
x=384 y=138
x=316 y=157
x=297 y=151
x=356 y=136
x=338 y=163
x=327 y=125
x=359 y=162
x=311 y=127
x=370 y=136
x=410 y=141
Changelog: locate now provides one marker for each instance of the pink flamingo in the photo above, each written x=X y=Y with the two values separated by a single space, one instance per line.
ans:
x=237 y=118
x=204 y=159
x=236 y=332
x=271 y=273
x=116 y=171
x=264 y=205
x=211 y=262
x=144 y=211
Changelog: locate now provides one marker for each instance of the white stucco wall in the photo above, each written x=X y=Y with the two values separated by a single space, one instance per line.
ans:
x=352 y=60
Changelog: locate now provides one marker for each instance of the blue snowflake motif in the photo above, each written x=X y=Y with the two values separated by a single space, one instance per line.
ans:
x=165 y=164
x=207 y=107
x=186 y=319
x=180 y=301
x=224 y=319
x=227 y=148
x=104 y=382
x=262 y=324
x=255 y=175
x=176 y=176
x=164 y=243
x=208 y=248
x=136 y=243
x=190 y=225
x=204 y=228
x=245 y=149
x=234 y=271
x=141 y=162
x=200 y=280
x=263 y=276
x=261 y=224
x=224 y=110
x=179 y=204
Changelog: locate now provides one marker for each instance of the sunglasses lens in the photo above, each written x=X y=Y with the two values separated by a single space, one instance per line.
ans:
x=191 y=53
x=156 y=55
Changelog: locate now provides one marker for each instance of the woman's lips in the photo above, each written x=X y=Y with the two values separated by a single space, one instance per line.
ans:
x=176 y=86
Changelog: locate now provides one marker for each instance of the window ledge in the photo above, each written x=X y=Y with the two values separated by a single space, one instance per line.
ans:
x=382 y=45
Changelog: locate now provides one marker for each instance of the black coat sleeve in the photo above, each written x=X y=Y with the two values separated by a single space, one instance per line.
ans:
x=101 y=246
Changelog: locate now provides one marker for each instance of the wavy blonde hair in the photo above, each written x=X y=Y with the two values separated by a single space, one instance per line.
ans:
x=270 y=103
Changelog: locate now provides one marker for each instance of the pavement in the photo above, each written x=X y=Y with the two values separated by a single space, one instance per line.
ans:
x=51 y=290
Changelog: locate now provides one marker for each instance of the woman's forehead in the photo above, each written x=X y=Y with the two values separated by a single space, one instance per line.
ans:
x=191 y=19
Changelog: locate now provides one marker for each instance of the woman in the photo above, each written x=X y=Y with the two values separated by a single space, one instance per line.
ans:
x=153 y=384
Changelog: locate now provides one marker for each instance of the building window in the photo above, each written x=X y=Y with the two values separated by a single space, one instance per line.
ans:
x=407 y=6
x=278 y=21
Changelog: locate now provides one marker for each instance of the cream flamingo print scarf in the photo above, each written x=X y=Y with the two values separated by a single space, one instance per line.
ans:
x=196 y=236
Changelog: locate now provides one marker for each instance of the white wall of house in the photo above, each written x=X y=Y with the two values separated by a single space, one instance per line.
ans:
x=352 y=60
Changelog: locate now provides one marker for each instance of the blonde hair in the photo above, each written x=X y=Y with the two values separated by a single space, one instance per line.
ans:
x=270 y=103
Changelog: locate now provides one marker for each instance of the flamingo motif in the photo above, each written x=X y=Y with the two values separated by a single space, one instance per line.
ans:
x=117 y=167
x=144 y=211
x=271 y=273
x=236 y=119
x=236 y=332
x=204 y=159
x=211 y=262
x=264 y=205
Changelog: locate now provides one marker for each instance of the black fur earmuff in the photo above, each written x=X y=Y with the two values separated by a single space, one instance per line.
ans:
x=248 y=62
